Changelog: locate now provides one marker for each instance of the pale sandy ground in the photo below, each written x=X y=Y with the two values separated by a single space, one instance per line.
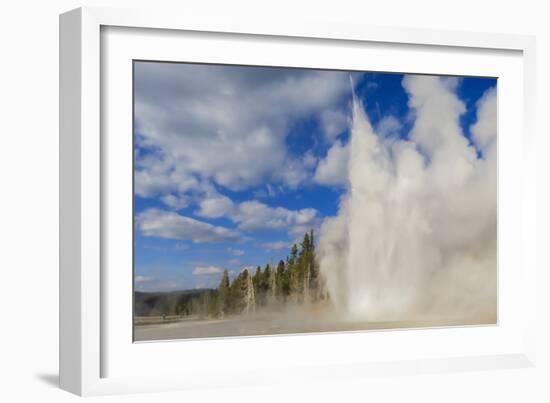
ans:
x=275 y=323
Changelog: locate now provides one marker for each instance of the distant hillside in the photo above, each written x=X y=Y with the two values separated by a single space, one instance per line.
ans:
x=169 y=303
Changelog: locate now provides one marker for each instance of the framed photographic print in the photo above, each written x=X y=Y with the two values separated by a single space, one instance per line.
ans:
x=241 y=203
x=273 y=200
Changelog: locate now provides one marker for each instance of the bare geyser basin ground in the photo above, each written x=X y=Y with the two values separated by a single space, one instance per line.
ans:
x=276 y=323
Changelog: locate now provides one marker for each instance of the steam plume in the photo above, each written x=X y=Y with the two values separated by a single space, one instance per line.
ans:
x=415 y=235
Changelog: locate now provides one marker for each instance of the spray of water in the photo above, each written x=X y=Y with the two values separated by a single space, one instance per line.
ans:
x=415 y=236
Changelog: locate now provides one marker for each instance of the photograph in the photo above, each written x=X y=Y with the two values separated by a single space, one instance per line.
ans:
x=274 y=200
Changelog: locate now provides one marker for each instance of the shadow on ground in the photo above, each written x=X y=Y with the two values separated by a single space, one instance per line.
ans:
x=49 y=379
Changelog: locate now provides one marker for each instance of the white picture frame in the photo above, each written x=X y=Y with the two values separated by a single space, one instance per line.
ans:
x=93 y=347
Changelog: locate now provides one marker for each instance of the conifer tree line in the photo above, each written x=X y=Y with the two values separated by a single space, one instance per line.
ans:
x=293 y=280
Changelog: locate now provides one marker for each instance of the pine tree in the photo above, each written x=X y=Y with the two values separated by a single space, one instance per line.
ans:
x=293 y=254
x=212 y=304
x=265 y=284
x=294 y=274
x=256 y=279
x=250 y=299
x=223 y=294
x=279 y=281
x=315 y=276
x=305 y=268
x=286 y=279
x=236 y=295
x=297 y=279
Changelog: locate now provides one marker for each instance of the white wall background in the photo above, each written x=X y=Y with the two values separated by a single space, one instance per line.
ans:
x=29 y=202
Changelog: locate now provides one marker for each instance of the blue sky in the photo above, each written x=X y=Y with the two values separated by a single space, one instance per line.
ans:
x=233 y=164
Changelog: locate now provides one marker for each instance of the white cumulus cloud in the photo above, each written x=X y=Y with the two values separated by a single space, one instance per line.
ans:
x=276 y=245
x=333 y=169
x=215 y=207
x=170 y=225
x=206 y=270
x=224 y=124
x=333 y=123
x=175 y=202
x=235 y=252
x=254 y=215
x=142 y=279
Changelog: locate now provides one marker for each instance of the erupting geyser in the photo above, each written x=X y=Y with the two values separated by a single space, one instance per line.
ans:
x=416 y=234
